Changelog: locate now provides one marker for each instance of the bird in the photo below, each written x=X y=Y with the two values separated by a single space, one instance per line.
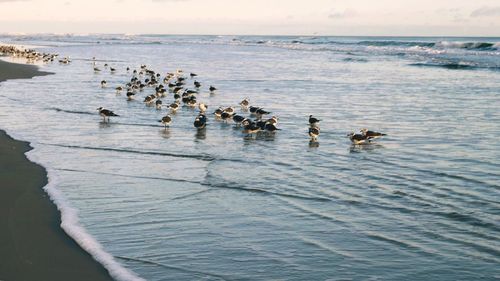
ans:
x=250 y=127
x=119 y=89
x=166 y=120
x=103 y=83
x=149 y=99
x=212 y=88
x=314 y=133
x=226 y=115
x=253 y=109
x=193 y=74
x=358 y=138
x=229 y=110
x=245 y=103
x=197 y=84
x=112 y=69
x=158 y=104
x=313 y=121
x=174 y=106
x=96 y=69
x=203 y=107
x=130 y=95
x=271 y=127
x=259 y=112
x=238 y=118
x=273 y=120
x=218 y=112
x=106 y=113
x=200 y=122
x=371 y=134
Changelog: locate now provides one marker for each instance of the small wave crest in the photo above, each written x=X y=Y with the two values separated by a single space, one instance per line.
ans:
x=467 y=45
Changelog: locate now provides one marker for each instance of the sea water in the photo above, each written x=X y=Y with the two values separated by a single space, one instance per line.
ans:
x=181 y=204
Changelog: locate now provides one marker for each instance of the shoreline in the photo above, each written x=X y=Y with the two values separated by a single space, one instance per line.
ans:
x=33 y=244
x=9 y=70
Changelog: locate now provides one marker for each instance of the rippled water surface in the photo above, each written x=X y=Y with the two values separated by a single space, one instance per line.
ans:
x=422 y=203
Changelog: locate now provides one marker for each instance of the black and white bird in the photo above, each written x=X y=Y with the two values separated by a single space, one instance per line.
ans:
x=250 y=127
x=104 y=83
x=197 y=84
x=271 y=127
x=358 y=138
x=119 y=89
x=96 y=69
x=166 y=120
x=314 y=133
x=253 y=109
x=130 y=95
x=212 y=88
x=158 y=104
x=238 y=118
x=174 y=106
x=106 y=113
x=313 y=121
x=218 y=112
x=193 y=74
x=200 y=122
x=371 y=134
x=260 y=112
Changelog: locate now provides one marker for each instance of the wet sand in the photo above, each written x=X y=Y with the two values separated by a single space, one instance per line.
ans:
x=32 y=244
x=18 y=71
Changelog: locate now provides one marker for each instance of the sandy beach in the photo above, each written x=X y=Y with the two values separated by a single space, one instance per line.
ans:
x=33 y=246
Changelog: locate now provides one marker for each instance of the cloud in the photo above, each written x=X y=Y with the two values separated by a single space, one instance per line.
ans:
x=342 y=15
x=486 y=12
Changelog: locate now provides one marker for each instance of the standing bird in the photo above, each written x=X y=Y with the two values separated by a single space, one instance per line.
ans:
x=313 y=121
x=119 y=89
x=166 y=120
x=314 y=133
x=358 y=138
x=104 y=83
x=106 y=113
x=158 y=104
x=203 y=107
x=371 y=134
x=270 y=127
x=212 y=88
x=200 y=122
x=197 y=84
x=130 y=95
x=244 y=104
x=174 y=106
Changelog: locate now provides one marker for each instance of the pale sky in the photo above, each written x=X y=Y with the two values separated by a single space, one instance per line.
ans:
x=259 y=17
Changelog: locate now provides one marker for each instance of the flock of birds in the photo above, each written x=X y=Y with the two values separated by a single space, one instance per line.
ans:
x=30 y=55
x=176 y=83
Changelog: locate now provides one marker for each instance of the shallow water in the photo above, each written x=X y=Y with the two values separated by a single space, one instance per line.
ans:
x=177 y=204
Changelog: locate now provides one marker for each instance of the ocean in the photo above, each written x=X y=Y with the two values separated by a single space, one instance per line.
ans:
x=422 y=203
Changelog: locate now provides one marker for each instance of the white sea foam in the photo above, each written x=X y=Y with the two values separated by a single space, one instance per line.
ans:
x=70 y=224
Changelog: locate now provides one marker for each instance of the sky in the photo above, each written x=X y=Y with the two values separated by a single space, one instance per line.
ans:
x=254 y=17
